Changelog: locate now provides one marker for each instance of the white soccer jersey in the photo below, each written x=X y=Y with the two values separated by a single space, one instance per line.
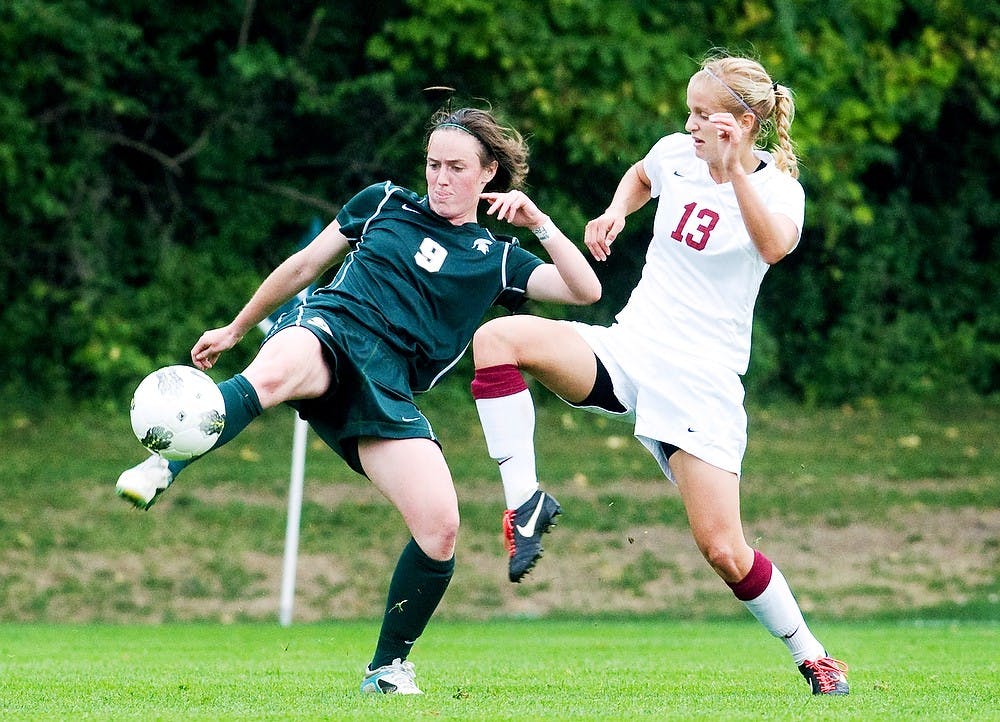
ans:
x=702 y=270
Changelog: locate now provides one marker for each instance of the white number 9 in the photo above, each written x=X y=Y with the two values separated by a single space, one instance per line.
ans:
x=431 y=255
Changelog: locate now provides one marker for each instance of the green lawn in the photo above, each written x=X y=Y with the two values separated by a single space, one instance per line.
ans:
x=499 y=670
x=885 y=518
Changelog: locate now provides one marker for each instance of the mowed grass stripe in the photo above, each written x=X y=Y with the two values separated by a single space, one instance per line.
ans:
x=498 y=670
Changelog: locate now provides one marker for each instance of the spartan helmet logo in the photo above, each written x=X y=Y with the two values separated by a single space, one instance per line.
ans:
x=482 y=245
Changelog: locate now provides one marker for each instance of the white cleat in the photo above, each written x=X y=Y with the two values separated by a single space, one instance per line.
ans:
x=395 y=678
x=143 y=483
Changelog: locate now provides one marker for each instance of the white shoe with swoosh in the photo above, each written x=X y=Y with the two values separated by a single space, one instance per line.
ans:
x=395 y=678
x=143 y=483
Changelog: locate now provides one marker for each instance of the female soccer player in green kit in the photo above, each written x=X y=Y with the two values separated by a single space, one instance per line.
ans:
x=417 y=275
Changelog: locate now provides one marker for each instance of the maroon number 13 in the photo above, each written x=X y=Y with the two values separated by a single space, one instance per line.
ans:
x=708 y=219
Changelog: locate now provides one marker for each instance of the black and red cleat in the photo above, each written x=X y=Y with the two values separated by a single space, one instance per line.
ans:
x=523 y=529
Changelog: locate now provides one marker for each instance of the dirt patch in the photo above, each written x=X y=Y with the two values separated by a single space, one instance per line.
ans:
x=921 y=558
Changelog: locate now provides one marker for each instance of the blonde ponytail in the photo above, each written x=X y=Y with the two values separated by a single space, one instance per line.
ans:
x=750 y=87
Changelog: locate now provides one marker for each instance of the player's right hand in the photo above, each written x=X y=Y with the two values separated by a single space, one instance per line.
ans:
x=210 y=346
x=601 y=232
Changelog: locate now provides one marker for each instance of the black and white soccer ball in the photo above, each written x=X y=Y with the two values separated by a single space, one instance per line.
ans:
x=178 y=412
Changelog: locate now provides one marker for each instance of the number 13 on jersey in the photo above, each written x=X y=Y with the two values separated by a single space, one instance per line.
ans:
x=704 y=221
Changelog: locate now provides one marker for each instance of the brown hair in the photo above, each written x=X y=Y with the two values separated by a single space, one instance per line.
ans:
x=750 y=87
x=500 y=143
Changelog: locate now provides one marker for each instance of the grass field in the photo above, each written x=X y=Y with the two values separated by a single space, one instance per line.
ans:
x=885 y=518
x=501 y=670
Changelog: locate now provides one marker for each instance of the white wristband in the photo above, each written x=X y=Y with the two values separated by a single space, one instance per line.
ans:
x=545 y=231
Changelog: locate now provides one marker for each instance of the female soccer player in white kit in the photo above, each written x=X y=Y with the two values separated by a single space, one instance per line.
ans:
x=674 y=357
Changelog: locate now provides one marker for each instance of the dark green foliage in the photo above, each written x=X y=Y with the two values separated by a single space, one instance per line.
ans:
x=157 y=160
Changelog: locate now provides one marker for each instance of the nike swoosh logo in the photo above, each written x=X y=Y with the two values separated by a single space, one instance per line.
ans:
x=411 y=209
x=692 y=430
x=415 y=418
x=678 y=174
x=529 y=528
x=504 y=460
x=789 y=636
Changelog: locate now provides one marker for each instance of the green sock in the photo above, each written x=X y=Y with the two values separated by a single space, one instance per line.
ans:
x=242 y=407
x=416 y=589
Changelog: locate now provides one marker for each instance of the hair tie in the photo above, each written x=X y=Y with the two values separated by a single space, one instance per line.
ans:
x=774 y=87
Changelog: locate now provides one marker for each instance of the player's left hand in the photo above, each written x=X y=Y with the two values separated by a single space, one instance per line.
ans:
x=515 y=207
x=731 y=135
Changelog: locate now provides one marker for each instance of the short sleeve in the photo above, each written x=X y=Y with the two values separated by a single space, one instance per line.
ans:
x=359 y=209
x=670 y=153
x=518 y=267
x=790 y=200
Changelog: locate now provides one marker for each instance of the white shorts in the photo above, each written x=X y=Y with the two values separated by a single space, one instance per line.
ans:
x=683 y=400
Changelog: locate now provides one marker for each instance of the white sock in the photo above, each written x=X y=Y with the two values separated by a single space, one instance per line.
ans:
x=509 y=427
x=778 y=611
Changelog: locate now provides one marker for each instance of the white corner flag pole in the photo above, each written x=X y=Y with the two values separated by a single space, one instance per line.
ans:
x=292 y=526
x=287 y=598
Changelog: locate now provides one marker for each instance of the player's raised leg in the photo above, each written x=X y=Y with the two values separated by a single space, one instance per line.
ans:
x=294 y=368
x=555 y=355
x=144 y=483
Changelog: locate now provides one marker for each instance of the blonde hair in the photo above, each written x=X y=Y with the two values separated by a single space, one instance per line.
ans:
x=751 y=88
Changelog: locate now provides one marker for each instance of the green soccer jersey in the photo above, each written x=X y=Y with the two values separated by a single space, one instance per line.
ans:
x=419 y=282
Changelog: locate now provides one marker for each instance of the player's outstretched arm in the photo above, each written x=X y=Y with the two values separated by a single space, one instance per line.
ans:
x=632 y=193
x=283 y=283
x=569 y=278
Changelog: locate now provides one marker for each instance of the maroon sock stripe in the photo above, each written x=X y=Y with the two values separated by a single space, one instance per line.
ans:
x=755 y=582
x=493 y=382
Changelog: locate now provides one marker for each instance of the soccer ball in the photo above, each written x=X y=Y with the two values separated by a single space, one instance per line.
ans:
x=178 y=412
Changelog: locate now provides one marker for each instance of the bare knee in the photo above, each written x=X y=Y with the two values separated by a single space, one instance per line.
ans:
x=730 y=561
x=268 y=382
x=496 y=342
x=438 y=538
x=277 y=382
x=289 y=366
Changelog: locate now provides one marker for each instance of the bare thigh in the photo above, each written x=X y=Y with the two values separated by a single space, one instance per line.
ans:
x=711 y=499
x=551 y=351
x=290 y=365
x=413 y=475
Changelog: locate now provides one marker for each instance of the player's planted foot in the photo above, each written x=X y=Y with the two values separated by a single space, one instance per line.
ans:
x=143 y=483
x=523 y=529
x=395 y=678
x=825 y=675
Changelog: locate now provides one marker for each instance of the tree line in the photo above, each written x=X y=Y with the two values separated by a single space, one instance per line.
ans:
x=158 y=159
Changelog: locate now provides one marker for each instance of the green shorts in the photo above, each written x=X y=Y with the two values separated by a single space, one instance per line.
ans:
x=370 y=393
